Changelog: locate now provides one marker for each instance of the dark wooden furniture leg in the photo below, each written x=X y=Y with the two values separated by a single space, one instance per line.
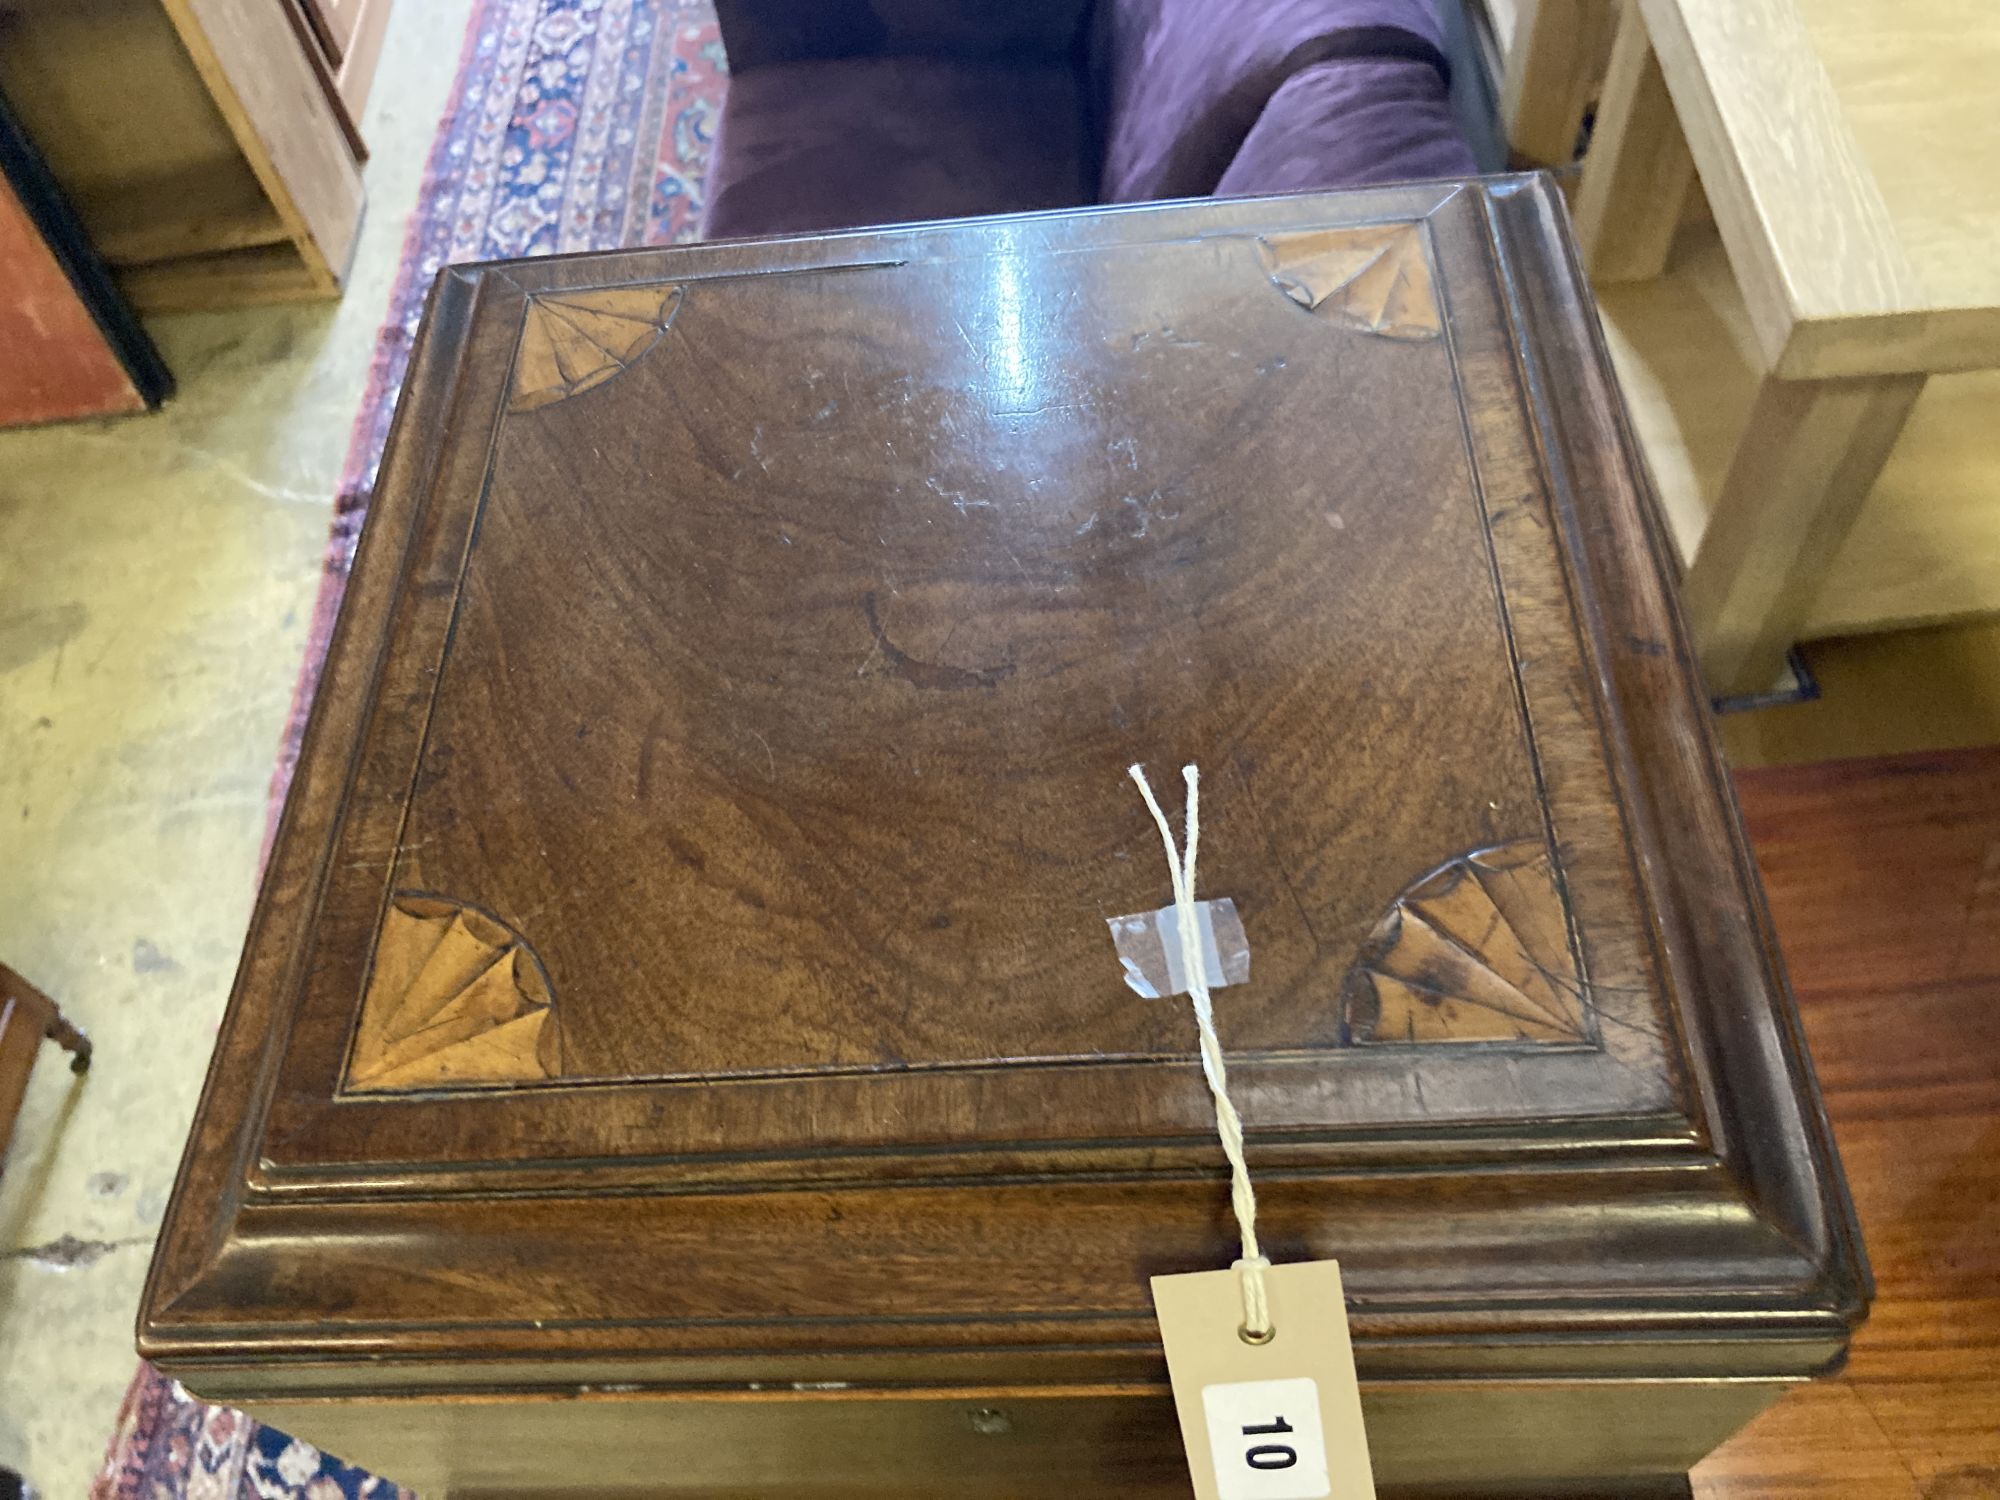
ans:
x=26 y=1017
x=42 y=1012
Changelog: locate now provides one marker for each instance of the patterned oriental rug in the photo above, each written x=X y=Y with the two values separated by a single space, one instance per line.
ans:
x=573 y=125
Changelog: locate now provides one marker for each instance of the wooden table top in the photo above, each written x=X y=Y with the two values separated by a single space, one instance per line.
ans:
x=798 y=674
x=716 y=797
x=1851 y=152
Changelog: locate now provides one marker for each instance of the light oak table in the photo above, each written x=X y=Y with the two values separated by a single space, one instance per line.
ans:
x=1812 y=369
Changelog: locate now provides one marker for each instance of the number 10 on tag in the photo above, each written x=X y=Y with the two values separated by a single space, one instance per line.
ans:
x=1265 y=1441
x=1276 y=1419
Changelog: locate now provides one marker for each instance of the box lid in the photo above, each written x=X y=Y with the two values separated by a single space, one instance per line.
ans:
x=685 y=952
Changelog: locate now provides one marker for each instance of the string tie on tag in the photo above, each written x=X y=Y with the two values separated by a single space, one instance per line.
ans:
x=1250 y=1268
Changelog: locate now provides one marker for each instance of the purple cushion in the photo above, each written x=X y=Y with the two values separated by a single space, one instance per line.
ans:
x=1181 y=82
x=831 y=144
x=760 y=32
x=1344 y=124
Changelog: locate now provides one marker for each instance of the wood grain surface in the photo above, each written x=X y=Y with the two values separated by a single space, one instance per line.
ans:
x=60 y=365
x=1638 y=174
x=1884 y=879
x=454 y=998
x=1809 y=455
x=1916 y=88
x=1926 y=544
x=766 y=660
x=902 y=632
x=1846 y=153
x=925 y=530
x=1855 y=259
x=1377 y=280
x=1860 y=859
x=1479 y=950
x=161 y=174
x=203 y=151
x=1846 y=149
x=1556 y=55
x=263 y=83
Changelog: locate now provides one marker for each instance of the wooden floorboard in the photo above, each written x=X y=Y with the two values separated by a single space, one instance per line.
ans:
x=1884 y=880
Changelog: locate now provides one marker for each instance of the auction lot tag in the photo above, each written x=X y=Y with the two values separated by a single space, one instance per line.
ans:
x=1265 y=1441
x=1274 y=1421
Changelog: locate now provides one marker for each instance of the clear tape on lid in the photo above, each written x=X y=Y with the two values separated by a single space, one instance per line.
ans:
x=1149 y=948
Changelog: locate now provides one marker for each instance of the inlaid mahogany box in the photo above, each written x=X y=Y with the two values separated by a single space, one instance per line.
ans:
x=680 y=1049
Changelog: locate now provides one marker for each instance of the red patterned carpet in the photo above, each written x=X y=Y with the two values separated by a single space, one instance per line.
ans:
x=573 y=125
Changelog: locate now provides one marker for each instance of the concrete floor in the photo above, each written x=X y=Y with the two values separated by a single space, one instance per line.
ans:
x=157 y=577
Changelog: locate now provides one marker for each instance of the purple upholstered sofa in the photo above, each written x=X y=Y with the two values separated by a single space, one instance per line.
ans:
x=847 y=112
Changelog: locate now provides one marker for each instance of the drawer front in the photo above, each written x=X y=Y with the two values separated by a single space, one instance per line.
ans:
x=1473 y=1437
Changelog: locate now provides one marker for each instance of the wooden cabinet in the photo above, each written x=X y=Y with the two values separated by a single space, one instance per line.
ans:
x=680 y=1047
x=206 y=145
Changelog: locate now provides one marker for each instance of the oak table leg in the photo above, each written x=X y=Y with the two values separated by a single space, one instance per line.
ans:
x=1555 y=64
x=1805 y=464
x=1637 y=173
